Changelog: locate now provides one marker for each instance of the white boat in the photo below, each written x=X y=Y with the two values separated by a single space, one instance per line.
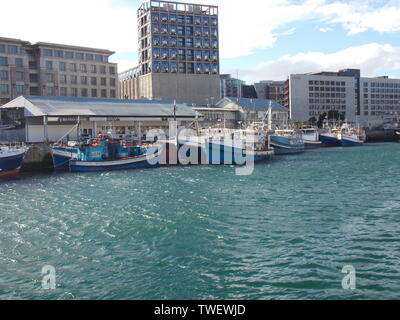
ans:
x=311 y=138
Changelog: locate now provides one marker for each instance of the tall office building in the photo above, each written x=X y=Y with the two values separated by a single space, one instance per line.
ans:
x=178 y=54
x=231 y=87
x=47 y=69
x=344 y=95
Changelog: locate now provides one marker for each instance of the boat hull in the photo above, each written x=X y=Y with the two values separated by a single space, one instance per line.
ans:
x=219 y=153
x=10 y=165
x=62 y=157
x=312 y=144
x=110 y=165
x=329 y=140
x=285 y=145
x=351 y=142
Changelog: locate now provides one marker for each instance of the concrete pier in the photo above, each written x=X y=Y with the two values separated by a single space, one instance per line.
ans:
x=38 y=158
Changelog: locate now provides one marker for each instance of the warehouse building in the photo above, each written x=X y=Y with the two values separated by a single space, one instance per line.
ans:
x=54 y=118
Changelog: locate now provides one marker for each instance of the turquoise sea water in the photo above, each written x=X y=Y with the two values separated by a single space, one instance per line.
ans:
x=202 y=232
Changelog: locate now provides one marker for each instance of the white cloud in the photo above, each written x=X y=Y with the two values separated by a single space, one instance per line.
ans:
x=357 y=16
x=370 y=58
x=90 y=23
x=324 y=30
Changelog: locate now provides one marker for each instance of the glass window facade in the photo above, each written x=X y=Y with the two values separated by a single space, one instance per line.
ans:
x=179 y=38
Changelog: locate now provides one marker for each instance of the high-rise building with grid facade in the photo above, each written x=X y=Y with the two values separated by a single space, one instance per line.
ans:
x=178 y=54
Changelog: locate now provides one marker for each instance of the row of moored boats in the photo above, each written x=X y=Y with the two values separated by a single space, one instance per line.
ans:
x=207 y=146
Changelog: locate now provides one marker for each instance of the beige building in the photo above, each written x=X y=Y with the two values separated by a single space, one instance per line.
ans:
x=47 y=69
x=178 y=54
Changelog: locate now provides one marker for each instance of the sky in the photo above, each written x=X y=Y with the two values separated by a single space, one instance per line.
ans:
x=259 y=39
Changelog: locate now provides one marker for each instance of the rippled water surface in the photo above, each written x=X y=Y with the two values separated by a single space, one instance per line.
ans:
x=202 y=232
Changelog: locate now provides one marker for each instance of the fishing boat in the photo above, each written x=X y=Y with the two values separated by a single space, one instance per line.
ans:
x=62 y=154
x=10 y=161
x=351 y=137
x=329 y=137
x=286 y=142
x=102 y=154
x=229 y=146
x=311 y=138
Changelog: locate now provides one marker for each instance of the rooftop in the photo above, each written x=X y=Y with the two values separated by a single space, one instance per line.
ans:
x=56 y=106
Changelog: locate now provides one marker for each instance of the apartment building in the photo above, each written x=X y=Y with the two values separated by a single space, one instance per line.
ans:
x=231 y=87
x=342 y=95
x=272 y=90
x=47 y=69
x=178 y=53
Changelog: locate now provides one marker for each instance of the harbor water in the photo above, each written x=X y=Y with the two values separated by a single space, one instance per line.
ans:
x=201 y=232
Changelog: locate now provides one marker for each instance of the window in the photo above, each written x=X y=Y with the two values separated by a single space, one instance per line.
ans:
x=84 y=80
x=103 y=81
x=93 y=81
x=172 y=18
x=83 y=68
x=89 y=56
x=3 y=75
x=2 y=48
x=112 y=94
x=74 y=92
x=103 y=69
x=59 y=54
x=49 y=65
x=62 y=66
x=19 y=76
x=4 y=88
x=189 y=20
x=103 y=93
x=189 y=42
x=72 y=67
x=84 y=92
x=20 y=90
x=74 y=79
x=93 y=68
x=112 y=70
x=69 y=55
x=181 y=42
x=98 y=58
x=63 y=78
x=19 y=62
x=49 y=77
x=180 y=30
x=63 y=92
x=12 y=49
x=181 y=19
x=49 y=91
x=79 y=56
x=112 y=82
x=94 y=93
x=47 y=52
x=3 y=61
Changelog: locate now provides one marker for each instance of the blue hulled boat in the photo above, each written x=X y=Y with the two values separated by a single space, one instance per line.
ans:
x=100 y=154
x=228 y=146
x=10 y=161
x=329 y=139
x=286 y=142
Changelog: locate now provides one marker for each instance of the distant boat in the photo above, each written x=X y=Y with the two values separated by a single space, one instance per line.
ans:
x=311 y=138
x=329 y=137
x=286 y=142
x=228 y=146
x=351 y=137
x=6 y=126
x=10 y=161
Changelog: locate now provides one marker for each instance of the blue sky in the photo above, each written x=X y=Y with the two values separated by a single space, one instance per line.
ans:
x=260 y=39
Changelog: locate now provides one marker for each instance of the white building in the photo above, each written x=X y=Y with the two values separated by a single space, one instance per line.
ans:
x=343 y=95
